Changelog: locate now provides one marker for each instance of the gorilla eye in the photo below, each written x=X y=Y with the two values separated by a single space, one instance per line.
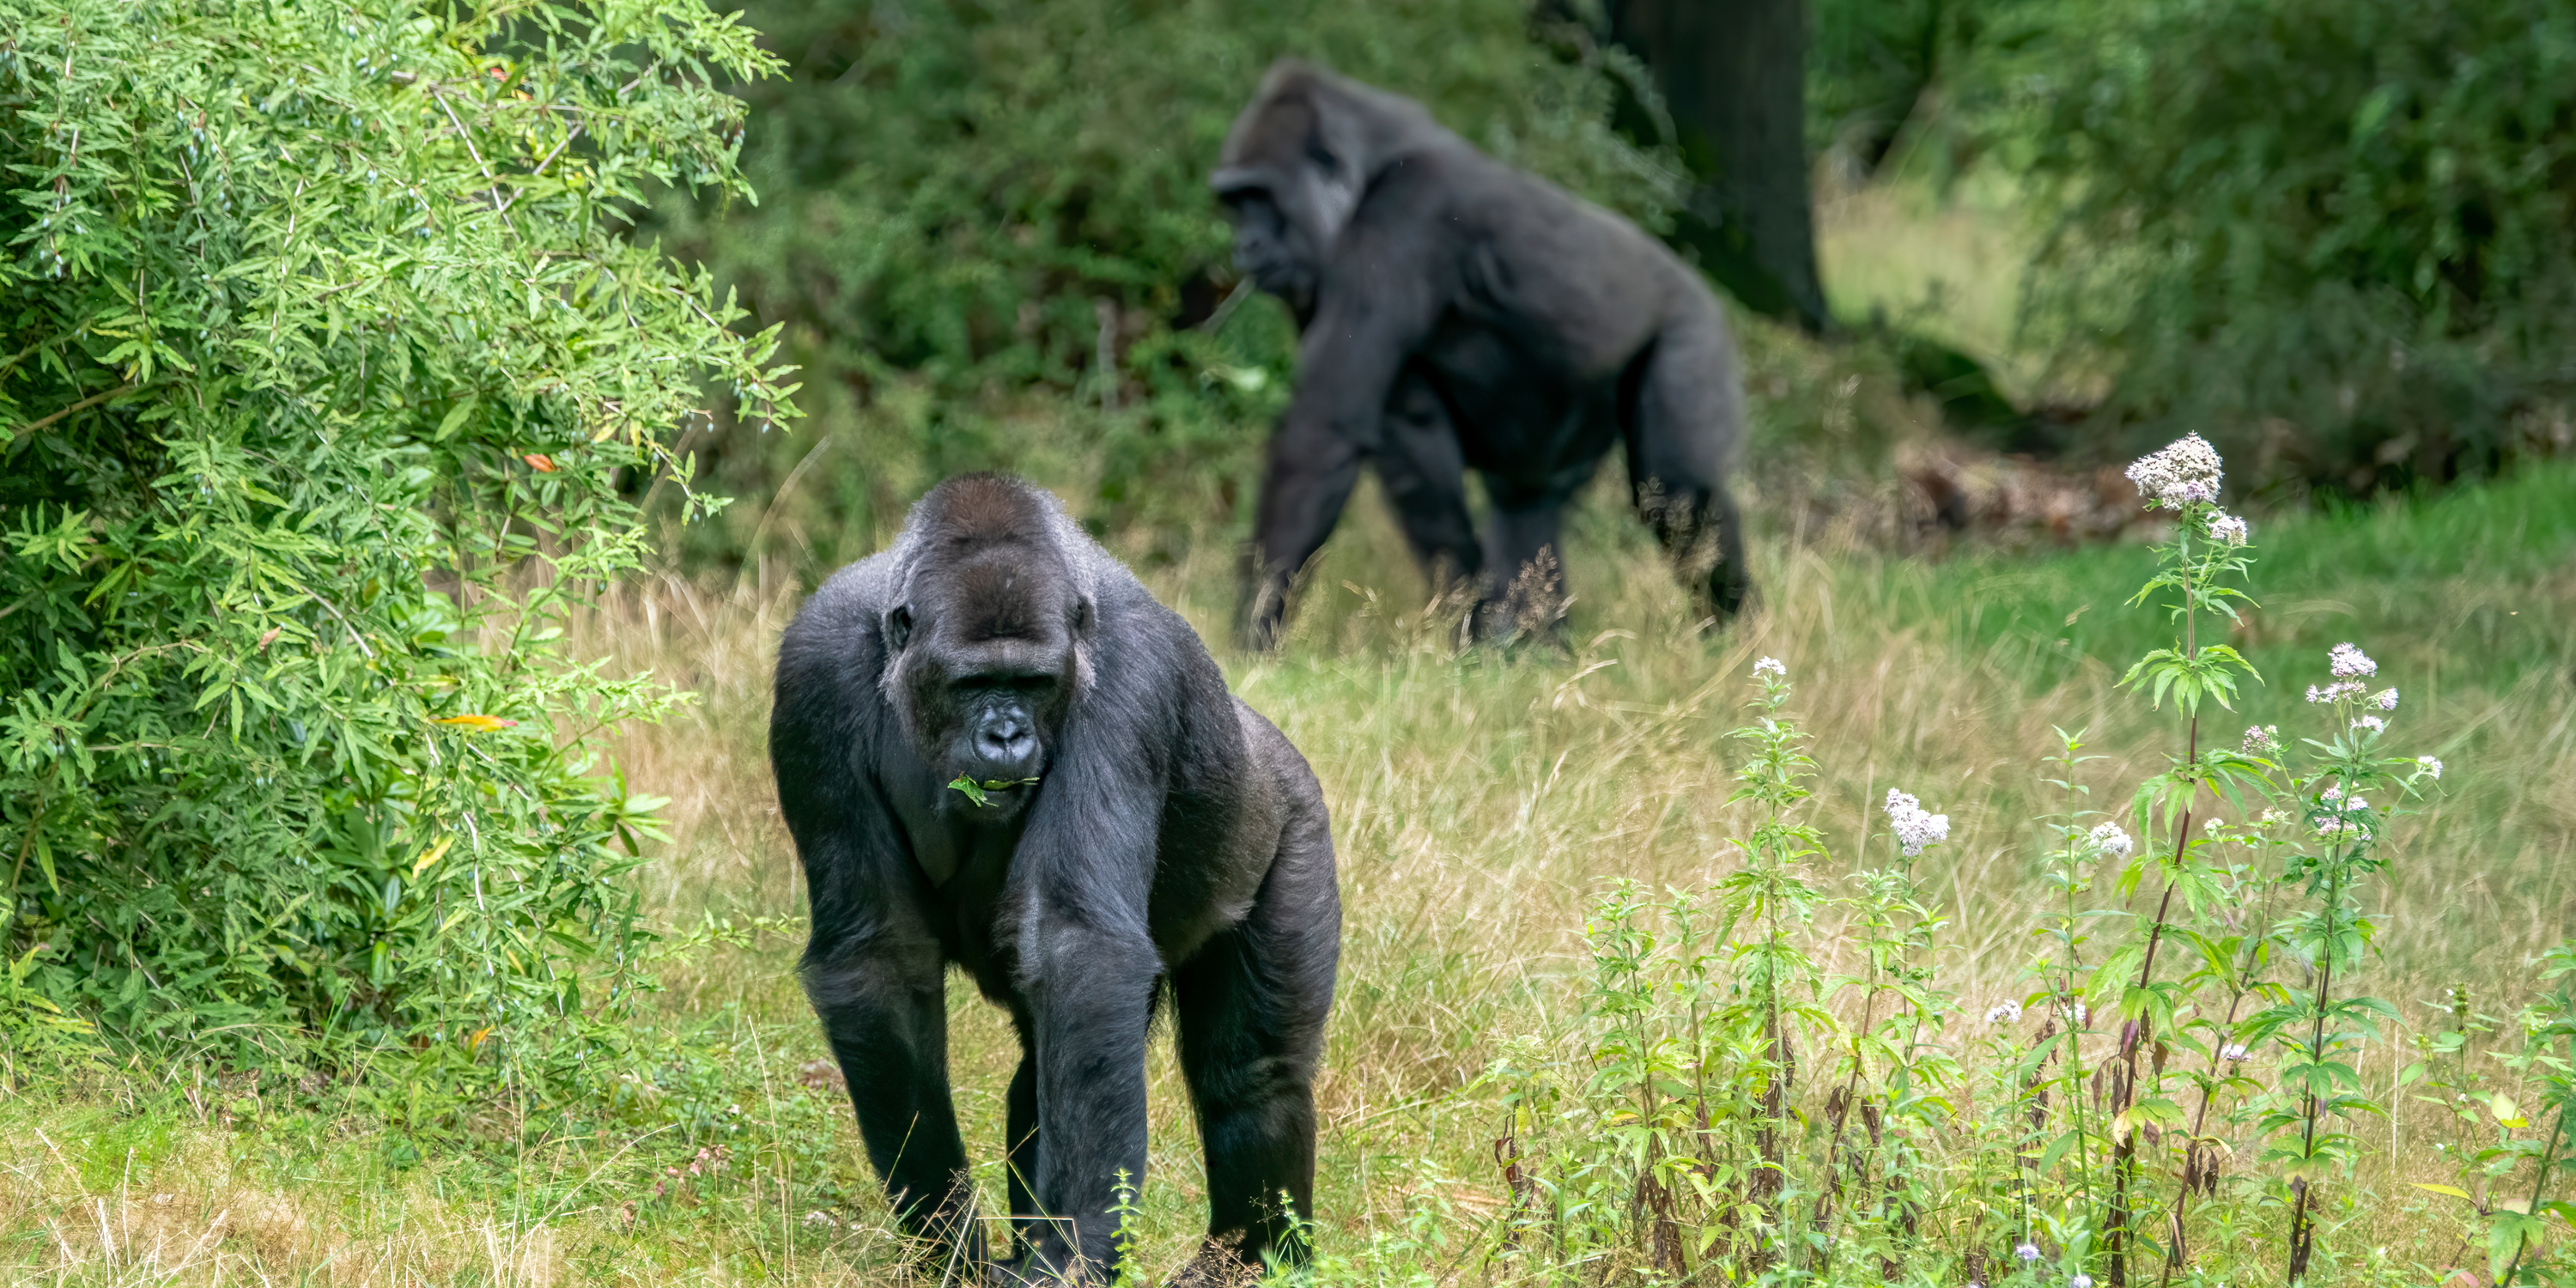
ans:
x=1323 y=157
x=898 y=627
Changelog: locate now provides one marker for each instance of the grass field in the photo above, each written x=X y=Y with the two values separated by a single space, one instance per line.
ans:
x=1481 y=804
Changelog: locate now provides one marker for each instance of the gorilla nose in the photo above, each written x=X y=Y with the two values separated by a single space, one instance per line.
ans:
x=1006 y=741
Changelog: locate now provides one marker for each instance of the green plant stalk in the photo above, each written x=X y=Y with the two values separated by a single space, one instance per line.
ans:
x=2302 y=1231
x=2539 y=1186
x=2208 y=1092
x=2124 y=1146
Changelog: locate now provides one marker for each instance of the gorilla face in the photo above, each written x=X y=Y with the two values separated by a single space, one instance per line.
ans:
x=983 y=678
x=1267 y=247
x=1290 y=188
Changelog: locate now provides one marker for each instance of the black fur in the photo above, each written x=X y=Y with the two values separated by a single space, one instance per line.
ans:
x=1173 y=836
x=1458 y=313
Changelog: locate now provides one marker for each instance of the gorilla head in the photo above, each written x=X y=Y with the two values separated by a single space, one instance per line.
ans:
x=1294 y=167
x=987 y=643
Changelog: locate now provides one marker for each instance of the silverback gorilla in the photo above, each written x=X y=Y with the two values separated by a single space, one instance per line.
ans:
x=1457 y=312
x=1141 y=832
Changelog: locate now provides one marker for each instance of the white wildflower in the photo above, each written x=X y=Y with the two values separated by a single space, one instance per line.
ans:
x=2385 y=700
x=2337 y=691
x=2372 y=723
x=2428 y=765
x=2080 y=1281
x=2004 y=1013
x=2262 y=740
x=1771 y=666
x=1915 y=827
x=2274 y=816
x=2347 y=662
x=2228 y=528
x=2107 y=838
x=2186 y=471
x=2075 y=1012
x=2234 y=1053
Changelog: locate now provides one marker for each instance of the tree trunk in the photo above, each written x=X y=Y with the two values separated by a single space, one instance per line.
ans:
x=1733 y=75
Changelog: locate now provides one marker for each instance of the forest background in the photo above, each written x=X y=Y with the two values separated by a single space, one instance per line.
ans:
x=393 y=562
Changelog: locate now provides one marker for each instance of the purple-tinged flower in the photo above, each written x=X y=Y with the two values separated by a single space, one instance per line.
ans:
x=2006 y=1012
x=2262 y=740
x=2385 y=700
x=2080 y=1281
x=2075 y=1012
x=1771 y=666
x=2235 y=1053
x=2185 y=472
x=2228 y=528
x=2372 y=723
x=2348 y=662
x=1915 y=826
x=2028 y=1251
x=2108 y=839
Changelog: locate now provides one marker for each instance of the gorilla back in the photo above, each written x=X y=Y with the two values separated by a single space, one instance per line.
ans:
x=1134 y=828
x=1458 y=313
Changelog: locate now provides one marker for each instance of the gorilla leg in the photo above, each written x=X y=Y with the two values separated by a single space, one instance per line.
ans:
x=884 y=1010
x=1251 y=1009
x=1021 y=1124
x=1426 y=482
x=1525 y=576
x=1681 y=425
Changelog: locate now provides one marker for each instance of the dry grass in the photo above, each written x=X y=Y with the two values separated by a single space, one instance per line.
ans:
x=1481 y=801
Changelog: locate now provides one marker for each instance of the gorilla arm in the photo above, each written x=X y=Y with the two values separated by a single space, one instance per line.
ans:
x=1077 y=906
x=1380 y=295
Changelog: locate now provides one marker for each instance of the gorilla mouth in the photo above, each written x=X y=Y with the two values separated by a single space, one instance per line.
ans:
x=977 y=791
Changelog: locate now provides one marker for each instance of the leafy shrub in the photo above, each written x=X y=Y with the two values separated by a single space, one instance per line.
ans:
x=963 y=206
x=325 y=367
x=2333 y=235
x=2178 y=1095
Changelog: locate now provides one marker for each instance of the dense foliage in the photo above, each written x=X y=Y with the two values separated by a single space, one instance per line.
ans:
x=2331 y=235
x=966 y=208
x=327 y=380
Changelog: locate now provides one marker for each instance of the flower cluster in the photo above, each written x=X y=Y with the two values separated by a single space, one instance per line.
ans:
x=2262 y=740
x=1771 y=666
x=2235 y=1053
x=2108 y=839
x=2228 y=528
x=2339 y=821
x=2429 y=766
x=2338 y=691
x=2372 y=723
x=2076 y=1014
x=2185 y=472
x=2348 y=662
x=2006 y=1012
x=1915 y=826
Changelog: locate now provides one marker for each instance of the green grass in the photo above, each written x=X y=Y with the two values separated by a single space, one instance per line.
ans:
x=1481 y=804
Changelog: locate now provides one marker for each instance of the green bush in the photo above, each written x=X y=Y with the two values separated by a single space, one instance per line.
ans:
x=328 y=381
x=2332 y=236
x=956 y=197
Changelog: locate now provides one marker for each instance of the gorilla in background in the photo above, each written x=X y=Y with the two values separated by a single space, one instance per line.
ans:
x=1134 y=831
x=1456 y=313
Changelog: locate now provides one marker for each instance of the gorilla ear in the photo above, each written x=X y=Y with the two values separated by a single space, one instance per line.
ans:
x=898 y=627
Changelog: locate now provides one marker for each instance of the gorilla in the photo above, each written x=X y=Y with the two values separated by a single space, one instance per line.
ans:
x=1122 y=834
x=1457 y=313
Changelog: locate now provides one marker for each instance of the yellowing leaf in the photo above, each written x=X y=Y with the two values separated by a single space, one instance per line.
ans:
x=2452 y=1190
x=478 y=724
x=432 y=856
x=2502 y=1106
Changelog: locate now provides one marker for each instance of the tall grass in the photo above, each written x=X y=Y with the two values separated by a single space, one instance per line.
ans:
x=1483 y=804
